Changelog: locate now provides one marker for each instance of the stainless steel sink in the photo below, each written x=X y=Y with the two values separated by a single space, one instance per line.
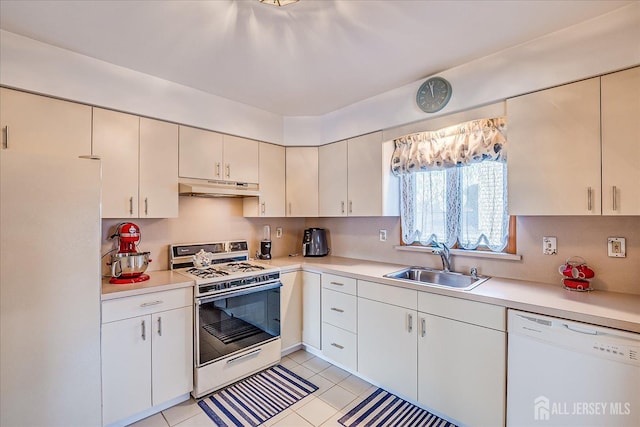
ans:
x=439 y=278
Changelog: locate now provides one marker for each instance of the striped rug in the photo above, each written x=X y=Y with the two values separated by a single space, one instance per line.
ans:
x=385 y=409
x=255 y=399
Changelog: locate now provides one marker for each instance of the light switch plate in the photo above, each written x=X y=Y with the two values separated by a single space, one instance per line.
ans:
x=383 y=235
x=616 y=247
x=549 y=245
x=278 y=232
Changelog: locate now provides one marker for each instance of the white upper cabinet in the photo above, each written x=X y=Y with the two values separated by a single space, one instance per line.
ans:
x=621 y=143
x=355 y=178
x=332 y=179
x=43 y=125
x=158 y=169
x=554 y=151
x=302 y=181
x=271 y=171
x=139 y=165
x=200 y=154
x=214 y=156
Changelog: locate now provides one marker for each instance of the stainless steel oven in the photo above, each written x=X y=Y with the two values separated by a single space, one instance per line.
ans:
x=237 y=312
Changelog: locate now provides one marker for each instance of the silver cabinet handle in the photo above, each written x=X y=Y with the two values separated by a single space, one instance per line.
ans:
x=410 y=322
x=218 y=169
x=5 y=141
x=336 y=283
x=149 y=304
x=262 y=207
x=337 y=346
x=228 y=170
x=423 y=324
x=615 y=198
x=144 y=331
x=342 y=206
x=159 y=326
x=244 y=356
x=130 y=205
x=146 y=206
x=589 y=198
x=339 y=310
x=350 y=206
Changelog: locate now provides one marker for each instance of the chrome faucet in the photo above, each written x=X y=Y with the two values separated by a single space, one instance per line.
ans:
x=445 y=255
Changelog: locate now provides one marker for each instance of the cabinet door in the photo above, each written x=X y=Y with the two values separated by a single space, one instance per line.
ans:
x=126 y=368
x=365 y=175
x=158 y=169
x=172 y=354
x=271 y=171
x=554 y=151
x=332 y=179
x=311 y=310
x=291 y=309
x=621 y=143
x=302 y=181
x=200 y=153
x=462 y=370
x=43 y=125
x=240 y=159
x=115 y=141
x=387 y=346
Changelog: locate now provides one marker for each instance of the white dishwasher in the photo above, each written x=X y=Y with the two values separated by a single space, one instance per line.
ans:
x=564 y=373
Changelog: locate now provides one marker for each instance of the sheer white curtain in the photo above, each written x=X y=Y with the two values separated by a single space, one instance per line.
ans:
x=454 y=186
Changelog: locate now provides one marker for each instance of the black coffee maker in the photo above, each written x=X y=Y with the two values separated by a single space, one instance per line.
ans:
x=265 y=244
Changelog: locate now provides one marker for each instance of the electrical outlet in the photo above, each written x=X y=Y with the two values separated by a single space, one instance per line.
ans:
x=616 y=247
x=549 y=245
x=278 y=232
x=383 y=235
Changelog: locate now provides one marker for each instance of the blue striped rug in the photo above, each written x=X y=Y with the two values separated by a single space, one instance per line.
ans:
x=385 y=409
x=255 y=399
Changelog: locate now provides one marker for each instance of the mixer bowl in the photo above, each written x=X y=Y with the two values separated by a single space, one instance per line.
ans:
x=129 y=265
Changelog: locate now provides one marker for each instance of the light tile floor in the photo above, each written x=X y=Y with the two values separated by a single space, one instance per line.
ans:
x=338 y=393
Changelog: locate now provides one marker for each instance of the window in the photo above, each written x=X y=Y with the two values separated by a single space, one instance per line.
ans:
x=466 y=206
x=454 y=186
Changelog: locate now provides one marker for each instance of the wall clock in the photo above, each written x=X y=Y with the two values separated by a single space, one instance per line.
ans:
x=433 y=94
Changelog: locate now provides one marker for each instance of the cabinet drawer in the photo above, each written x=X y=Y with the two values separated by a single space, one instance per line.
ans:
x=339 y=309
x=401 y=297
x=475 y=313
x=123 y=308
x=339 y=283
x=340 y=346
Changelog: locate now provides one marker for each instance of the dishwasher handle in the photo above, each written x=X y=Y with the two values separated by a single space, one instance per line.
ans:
x=585 y=331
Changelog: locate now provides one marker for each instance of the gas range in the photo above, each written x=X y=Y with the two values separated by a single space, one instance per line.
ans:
x=230 y=268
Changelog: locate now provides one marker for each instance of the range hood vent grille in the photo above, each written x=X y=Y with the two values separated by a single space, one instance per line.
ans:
x=210 y=188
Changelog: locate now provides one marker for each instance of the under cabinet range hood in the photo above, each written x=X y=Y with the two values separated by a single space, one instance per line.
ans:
x=213 y=188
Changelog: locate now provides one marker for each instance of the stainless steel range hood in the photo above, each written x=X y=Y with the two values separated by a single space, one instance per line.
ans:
x=212 y=188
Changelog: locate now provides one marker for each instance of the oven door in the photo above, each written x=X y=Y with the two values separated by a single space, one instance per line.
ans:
x=235 y=321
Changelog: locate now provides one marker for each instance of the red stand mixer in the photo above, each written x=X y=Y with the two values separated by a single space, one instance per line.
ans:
x=128 y=265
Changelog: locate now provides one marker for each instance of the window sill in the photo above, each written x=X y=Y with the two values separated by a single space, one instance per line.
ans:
x=464 y=252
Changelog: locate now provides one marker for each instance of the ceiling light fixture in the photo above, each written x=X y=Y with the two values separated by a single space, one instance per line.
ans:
x=278 y=2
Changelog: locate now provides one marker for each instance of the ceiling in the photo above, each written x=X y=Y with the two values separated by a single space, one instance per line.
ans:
x=308 y=58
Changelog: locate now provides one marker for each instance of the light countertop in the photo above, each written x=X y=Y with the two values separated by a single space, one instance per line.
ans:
x=611 y=309
x=163 y=280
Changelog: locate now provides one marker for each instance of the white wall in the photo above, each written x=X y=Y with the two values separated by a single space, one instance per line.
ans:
x=38 y=67
x=608 y=43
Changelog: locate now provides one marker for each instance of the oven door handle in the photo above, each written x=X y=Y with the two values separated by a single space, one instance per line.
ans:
x=237 y=293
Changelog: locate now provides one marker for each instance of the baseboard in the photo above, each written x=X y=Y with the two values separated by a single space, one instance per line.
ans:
x=151 y=411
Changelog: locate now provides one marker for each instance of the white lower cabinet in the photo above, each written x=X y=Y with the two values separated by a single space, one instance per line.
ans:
x=311 y=311
x=462 y=359
x=147 y=352
x=291 y=309
x=387 y=345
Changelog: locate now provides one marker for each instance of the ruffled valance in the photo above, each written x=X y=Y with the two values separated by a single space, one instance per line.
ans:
x=459 y=145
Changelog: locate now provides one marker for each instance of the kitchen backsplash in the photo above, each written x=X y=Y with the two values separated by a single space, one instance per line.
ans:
x=221 y=219
x=583 y=236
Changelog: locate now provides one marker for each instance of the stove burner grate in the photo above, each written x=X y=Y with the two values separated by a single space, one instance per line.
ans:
x=207 y=273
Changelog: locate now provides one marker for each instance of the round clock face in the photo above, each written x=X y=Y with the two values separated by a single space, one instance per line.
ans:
x=433 y=95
